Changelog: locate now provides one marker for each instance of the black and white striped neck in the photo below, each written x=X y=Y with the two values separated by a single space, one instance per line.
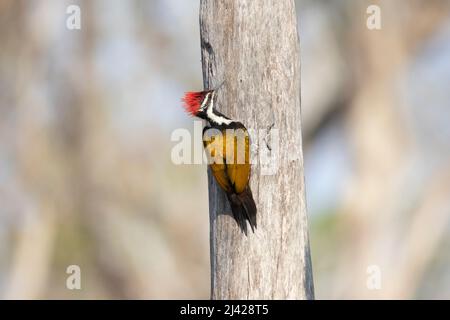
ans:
x=214 y=117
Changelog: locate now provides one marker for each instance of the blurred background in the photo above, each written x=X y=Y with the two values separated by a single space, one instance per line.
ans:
x=86 y=176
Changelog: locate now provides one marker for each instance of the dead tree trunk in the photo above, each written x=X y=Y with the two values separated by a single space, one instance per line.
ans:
x=254 y=47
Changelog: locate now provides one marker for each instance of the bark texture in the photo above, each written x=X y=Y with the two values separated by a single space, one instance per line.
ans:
x=254 y=47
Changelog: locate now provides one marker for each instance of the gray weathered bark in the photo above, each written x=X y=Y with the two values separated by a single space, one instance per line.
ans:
x=254 y=46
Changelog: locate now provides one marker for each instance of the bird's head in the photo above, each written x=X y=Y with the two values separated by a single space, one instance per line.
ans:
x=197 y=103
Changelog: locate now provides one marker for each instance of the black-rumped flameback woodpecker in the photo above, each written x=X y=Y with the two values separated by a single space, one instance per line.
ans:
x=227 y=146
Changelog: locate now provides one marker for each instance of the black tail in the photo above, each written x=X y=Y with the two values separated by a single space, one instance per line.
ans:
x=244 y=208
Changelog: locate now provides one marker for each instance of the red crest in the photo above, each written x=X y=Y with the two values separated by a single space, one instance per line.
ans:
x=192 y=101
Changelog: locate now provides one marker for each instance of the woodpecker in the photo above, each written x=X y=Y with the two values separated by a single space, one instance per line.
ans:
x=229 y=162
